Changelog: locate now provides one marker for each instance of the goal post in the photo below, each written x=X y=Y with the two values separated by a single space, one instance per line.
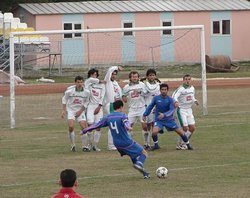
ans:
x=130 y=52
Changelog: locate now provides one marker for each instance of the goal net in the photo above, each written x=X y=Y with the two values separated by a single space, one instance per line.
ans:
x=40 y=56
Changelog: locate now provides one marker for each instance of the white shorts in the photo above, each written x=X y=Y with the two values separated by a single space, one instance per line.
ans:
x=71 y=116
x=135 y=114
x=91 y=118
x=185 y=117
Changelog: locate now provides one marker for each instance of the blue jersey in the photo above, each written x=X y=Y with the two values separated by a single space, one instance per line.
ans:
x=163 y=105
x=116 y=122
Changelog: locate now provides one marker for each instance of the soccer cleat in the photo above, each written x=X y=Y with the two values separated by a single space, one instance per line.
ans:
x=85 y=149
x=146 y=175
x=95 y=148
x=155 y=147
x=181 y=147
x=73 y=148
x=161 y=131
x=189 y=147
x=146 y=147
x=113 y=148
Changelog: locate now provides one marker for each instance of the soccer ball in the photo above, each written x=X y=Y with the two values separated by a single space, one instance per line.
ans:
x=162 y=172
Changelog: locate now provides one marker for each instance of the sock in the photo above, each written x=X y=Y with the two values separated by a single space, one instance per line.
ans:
x=84 y=138
x=133 y=160
x=89 y=139
x=188 y=134
x=141 y=159
x=184 y=138
x=155 y=139
x=97 y=136
x=145 y=137
x=72 y=138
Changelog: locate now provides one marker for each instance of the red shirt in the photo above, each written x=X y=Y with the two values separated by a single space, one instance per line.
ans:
x=67 y=193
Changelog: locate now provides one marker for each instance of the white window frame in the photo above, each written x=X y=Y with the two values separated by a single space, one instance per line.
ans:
x=172 y=32
x=220 y=27
x=73 y=28
x=133 y=25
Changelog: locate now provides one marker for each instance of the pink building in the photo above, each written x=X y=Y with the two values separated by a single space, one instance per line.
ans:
x=226 y=29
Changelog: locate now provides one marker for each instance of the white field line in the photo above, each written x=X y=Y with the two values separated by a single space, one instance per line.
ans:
x=118 y=175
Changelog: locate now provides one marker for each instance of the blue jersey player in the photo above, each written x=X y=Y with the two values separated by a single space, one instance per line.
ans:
x=164 y=111
x=119 y=126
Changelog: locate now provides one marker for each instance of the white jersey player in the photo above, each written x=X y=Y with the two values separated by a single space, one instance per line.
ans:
x=184 y=98
x=75 y=102
x=94 y=109
x=113 y=93
x=152 y=85
x=134 y=94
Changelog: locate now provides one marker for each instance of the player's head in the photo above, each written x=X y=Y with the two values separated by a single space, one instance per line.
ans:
x=134 y=76
x=78 y=78
x=118 y=104
x=114 y=75
x=68 y=178
x=151 y=75
x=93 y=73
x=186 y=79
x=79 y=82
x=164 y=89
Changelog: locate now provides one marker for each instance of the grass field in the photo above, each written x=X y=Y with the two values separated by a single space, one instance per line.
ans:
x=32 y=156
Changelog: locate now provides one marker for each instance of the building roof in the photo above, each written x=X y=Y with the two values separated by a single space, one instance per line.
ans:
x=134 y=6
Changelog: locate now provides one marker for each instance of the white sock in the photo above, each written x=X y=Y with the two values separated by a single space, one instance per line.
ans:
x=145 y=137
x=97 y=136
x=72 y=138
x=84 y=138
x=188 y=134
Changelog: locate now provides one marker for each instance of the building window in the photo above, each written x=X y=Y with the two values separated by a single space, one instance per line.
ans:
x=222 y=27
x=72 y=26
x=166 y=24
x=128 y=25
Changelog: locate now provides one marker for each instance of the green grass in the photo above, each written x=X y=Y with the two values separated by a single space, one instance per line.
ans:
x=33 y=154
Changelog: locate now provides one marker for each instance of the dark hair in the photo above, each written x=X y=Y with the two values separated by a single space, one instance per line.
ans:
x=132 y=73
x=186 y=75
x=78 y=78
x=164 y=85
x=150 y=71
x=92 y=71
x=117 y=104
x=68 y=178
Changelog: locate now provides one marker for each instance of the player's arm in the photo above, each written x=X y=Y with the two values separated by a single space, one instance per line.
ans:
x=149 y=108
x=64 y=102
x=102 y=123
x=98 y=108
x=125 y=94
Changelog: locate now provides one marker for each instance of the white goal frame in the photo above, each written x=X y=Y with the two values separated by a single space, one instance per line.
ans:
x=12 y=53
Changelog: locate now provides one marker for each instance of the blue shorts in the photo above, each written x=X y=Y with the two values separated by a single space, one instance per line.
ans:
x=170 y=125
x=132 y=150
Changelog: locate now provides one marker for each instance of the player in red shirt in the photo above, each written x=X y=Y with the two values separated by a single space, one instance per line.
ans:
x=68 y=182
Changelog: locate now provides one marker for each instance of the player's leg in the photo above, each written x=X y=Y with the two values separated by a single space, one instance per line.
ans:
x=111 y=146
x=181 y=133
x=71 y=132
x=85 y=138
x=157 y=127
x=97 y=132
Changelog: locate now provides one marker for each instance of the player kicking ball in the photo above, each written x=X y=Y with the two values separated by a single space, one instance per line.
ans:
x=119 y=126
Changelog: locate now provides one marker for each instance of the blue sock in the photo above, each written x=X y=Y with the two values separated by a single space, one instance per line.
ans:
x=133 y=160
x=142 y=158
x=155 y=139
x=184 y=138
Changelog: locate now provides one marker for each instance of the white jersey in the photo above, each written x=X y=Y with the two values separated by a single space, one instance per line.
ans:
x=113 y=90
x=74 y=99
x=184 y=96
x=97 y=91
x=153 y=89
x=135 y=94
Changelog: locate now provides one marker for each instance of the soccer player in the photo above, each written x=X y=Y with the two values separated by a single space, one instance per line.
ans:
x=152 y=85
x=113 y=93
x=94 y=109
x=164 y=110
x=68 y=181
x=119 y=125
x=184 y=98
x=134 y=94
x=75 y=101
